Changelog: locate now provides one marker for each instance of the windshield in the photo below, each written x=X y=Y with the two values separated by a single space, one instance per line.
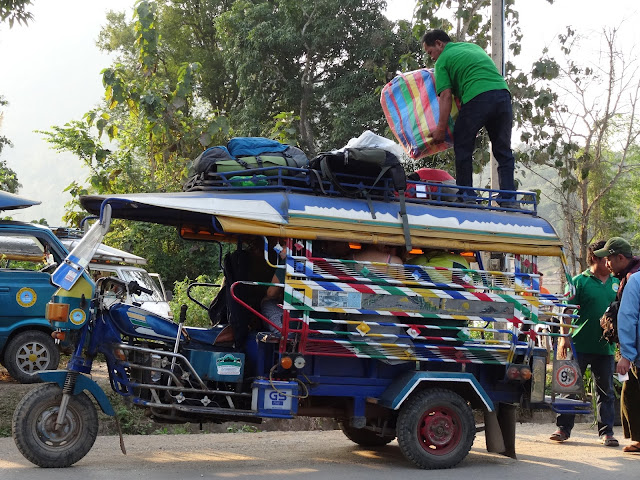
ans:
x=141 y=277
x=145 y=281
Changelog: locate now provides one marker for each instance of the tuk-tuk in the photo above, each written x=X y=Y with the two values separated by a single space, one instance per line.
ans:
x=402 y=351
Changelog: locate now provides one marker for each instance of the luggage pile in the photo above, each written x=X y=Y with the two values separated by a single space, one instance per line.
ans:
x=259 y=157
x=368 y=167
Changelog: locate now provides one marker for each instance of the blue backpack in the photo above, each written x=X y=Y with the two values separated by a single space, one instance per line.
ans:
x=253 y=146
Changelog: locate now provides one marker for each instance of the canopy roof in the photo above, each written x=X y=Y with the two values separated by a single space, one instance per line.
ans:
x=307 y=216
x=106 y=254
x=9 y=201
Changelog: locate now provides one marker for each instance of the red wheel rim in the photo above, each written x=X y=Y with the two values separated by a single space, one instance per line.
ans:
x=439 y=430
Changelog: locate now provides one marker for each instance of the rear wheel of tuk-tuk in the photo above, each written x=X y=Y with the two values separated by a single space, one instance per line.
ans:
x=35 y=432
x=436 y=429
x=364 y=437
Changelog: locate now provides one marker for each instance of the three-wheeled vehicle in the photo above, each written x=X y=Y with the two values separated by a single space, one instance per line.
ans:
x=392 y=351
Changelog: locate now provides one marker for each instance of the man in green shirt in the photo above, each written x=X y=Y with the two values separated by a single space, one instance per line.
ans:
x=466 y=71
x=595 y=288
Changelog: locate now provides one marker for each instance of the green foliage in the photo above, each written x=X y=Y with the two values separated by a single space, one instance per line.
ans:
x=243 y=429
x=322 y=60
x=196 y=316
x=174 y=430
x=8 y=179
x=15 y=11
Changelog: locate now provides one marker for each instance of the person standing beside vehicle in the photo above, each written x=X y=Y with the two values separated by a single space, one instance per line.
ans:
x=595 y=289
x=466 y=71
x=624 y=265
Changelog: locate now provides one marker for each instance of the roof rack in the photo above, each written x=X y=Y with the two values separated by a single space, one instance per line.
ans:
x=304 y=180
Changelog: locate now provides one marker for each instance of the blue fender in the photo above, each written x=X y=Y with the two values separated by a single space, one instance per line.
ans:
x=401 y=388
x=82 y=383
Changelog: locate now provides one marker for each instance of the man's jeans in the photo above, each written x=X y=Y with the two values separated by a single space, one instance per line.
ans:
x=491 y=110
x=602 y=368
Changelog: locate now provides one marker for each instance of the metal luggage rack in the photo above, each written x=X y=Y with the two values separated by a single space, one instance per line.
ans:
x=305 y=180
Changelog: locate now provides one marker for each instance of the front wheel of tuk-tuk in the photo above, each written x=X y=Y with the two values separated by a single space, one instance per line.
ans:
x=436 y=429
x=44 y=442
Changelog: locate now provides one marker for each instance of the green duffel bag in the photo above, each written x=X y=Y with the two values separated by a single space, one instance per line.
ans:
x=260 y=161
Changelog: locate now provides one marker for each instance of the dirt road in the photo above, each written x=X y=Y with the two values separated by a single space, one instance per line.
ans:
x=319 y=455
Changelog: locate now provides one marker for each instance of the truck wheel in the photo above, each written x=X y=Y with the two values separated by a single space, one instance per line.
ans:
x=34 y=427
x=436 y=429
x=364 y=437
x=30 y=352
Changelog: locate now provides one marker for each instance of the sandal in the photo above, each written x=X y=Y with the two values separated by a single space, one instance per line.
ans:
x=633 y=448
x=609 y=441
x=559 y=436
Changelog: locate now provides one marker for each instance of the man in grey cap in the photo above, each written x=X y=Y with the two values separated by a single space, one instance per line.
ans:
x=624 y=265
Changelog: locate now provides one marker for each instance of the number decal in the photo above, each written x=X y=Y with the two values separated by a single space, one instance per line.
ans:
x=566 y=376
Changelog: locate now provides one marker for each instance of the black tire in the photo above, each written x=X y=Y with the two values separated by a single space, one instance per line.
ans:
x=30 y=352
x=436 y=429
x=33 y=427
x=364 y=437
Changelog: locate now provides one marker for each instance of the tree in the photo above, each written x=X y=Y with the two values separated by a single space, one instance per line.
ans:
x=8 y=178
x=591 y=140
x=152 y=115
x=15 y=11
x=188 y=33
x=325 y=60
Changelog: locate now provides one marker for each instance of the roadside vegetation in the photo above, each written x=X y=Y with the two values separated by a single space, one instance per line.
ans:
x=191 y=74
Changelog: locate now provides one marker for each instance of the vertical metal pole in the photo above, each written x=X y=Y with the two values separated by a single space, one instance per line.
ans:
x=497 y=49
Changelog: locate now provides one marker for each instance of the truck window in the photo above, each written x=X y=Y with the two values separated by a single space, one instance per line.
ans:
x=23 y=252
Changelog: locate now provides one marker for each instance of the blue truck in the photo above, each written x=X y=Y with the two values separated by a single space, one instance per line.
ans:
x=28 y=254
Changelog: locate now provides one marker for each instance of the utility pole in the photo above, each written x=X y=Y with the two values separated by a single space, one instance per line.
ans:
x=497 y=49
x=497 y=55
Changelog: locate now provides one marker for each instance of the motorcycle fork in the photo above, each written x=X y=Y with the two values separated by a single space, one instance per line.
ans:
x=67 y=391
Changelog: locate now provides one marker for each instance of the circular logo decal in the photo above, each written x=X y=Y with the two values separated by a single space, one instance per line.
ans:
x=566 y=376
x=77 y=316
x=615 y=287
x=26 y=297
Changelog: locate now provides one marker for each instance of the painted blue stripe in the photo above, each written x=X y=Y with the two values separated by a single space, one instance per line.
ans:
x=401 y=388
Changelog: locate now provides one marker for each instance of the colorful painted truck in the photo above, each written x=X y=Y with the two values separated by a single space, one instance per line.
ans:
x=392 y=351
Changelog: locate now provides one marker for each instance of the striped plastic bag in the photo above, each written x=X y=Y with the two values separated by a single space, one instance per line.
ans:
x=410 y=105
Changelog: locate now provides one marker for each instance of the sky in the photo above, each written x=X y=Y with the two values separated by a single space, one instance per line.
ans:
x=50 y=75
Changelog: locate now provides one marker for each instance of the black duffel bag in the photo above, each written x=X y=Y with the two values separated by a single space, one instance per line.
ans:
x=358 y=173
x=369 y=165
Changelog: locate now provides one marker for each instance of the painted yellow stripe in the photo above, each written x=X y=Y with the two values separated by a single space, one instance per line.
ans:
x=136 y=316
x=415 y=93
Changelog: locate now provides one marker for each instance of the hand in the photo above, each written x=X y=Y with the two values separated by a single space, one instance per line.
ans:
x=438 y=135
x=563 y=346
x=623 y=366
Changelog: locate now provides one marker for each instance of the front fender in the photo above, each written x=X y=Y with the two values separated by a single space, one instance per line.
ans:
x=82 y=383
x=401 y=388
